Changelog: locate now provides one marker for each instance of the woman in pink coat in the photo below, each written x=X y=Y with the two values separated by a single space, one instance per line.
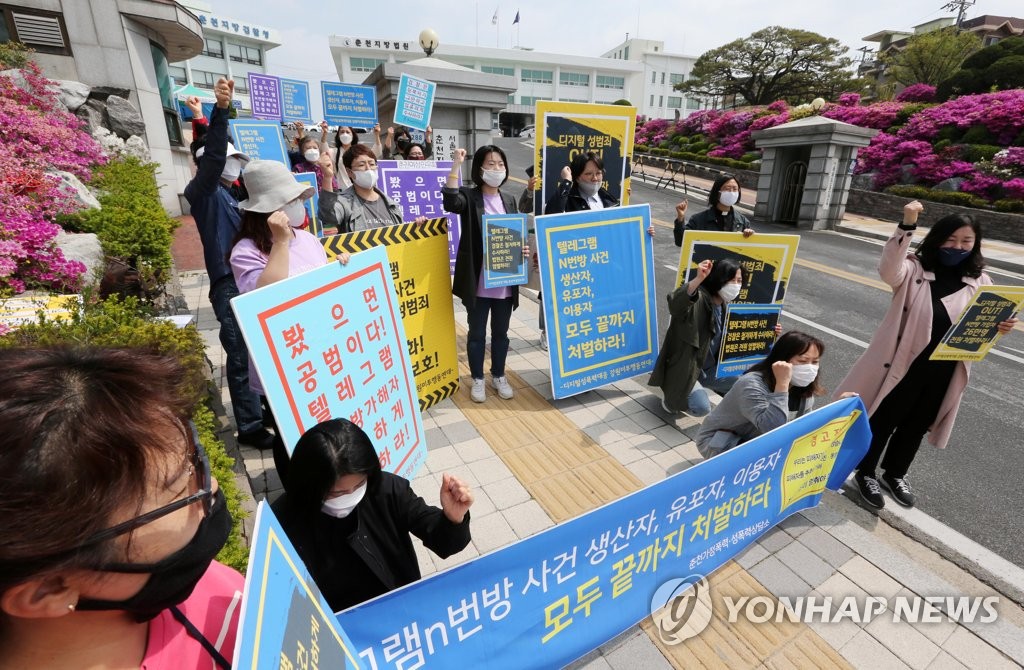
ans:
x=906 y=394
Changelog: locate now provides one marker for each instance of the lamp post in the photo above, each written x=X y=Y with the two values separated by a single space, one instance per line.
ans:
x=429 y=41
x=817 y=105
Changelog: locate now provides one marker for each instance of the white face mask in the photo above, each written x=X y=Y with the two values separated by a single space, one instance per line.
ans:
x=345 y=138
x=493 y=177
x=804 y=374
x=364 y=178
x=729 y=292
x=588 y=188
x=341 y=506
x=728 y=198
x=296 y=213
x=311 y=155
x=232 y=168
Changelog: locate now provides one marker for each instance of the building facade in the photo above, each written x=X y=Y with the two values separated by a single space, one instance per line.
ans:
x=655 y=88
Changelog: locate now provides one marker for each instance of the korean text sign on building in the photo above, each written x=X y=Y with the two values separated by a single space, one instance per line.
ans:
x=330 y=343
x=349 y=104
x=553 y=597
x=415 y=102
x=295 y=105
x=265 y=94
x=259 y=140
x=768 y=260
x=597 y=275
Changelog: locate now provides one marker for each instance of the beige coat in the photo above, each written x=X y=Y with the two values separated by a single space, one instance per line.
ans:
x=906 y=331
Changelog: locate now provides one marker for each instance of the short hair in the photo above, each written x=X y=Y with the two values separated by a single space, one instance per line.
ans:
x=716 y=188
x=306 y=140
x=408 y=150
x=325 y=452
x=579 y=164
x=723 y=272
x=928 y=249
x=478 y=163
x=790 y=345
x=354 y=152
x=77 y=439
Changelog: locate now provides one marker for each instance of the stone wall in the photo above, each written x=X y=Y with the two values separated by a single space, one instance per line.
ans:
x=746 y=178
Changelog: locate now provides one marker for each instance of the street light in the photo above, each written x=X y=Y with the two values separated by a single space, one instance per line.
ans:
x=428 y=41
x=817 y=105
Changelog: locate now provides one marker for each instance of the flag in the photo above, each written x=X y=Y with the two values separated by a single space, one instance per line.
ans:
x=517 y=18
x=494 y=19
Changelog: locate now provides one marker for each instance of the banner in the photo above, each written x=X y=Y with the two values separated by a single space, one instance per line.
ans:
x=768 y=258
x=415 y=102
x=597 y=275
x=262 y=140
x=555 y=596
x=417 y=259
x=349 y=104
x=416 y=186
x=16 y=312
x=309 y=179
x=747 y=338
x=295 y=105
x=445 y=143
x=975 y=333
x=503 y=238
x=285 y=621
x=565 y=129
x=330 y=343
x=265 y=95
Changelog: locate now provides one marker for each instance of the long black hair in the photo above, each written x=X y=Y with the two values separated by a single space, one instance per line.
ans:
x=716 y=188
x=254 y=226
x=928 y=249
x=327 y=451
x=723 y=272
x=478 y=163
x=789 y=346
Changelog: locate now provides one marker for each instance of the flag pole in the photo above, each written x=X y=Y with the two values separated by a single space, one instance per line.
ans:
x=477 y=24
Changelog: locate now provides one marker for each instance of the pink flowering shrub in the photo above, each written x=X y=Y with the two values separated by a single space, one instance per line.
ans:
x=917 y=93
x=849 y=99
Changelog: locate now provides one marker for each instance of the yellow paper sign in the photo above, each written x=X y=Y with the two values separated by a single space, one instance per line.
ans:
x=974 y=334
x=768 y=259
x=15 y=312
x=811 y=457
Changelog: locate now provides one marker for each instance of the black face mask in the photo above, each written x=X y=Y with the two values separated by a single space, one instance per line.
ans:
x=403 y=142
x=172 y=579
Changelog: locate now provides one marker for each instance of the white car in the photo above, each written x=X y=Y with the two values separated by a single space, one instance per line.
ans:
x=528 y=131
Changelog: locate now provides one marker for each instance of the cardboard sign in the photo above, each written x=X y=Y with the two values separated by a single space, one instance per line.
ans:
x=349 y=104
x=265 y=95
x=503 y=238
x=295 y=105
x=415 y=102
x=975 y=333
x=260 y=140
x=747 y=338
x=767 y=258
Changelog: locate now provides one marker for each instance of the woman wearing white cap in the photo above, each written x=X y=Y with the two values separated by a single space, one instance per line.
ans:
x=271 y=244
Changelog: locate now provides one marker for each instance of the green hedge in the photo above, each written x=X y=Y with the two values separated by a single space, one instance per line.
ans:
x=1008 y=205
x=948 y=197
x=112 y=323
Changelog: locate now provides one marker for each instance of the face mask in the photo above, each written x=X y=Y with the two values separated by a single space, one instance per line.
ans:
x=364 y=178
x=729 y=292
x=728 y=198
x=232 y=168
x=804 y=374
x=341 y=506
x=172 y=579
x=493 y=177
x=588 y=188
x=311 y=155
x=950 y=256
x=296 y=213
x=345 y=138
x=403 y=142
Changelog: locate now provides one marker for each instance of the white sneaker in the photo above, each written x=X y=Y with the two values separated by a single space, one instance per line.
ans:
x=479 y=391
x=543 y=341
x=504 y=388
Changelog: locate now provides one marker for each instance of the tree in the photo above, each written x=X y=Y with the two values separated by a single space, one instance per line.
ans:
x=772 y=64
x=995 y=68
x=932 y=57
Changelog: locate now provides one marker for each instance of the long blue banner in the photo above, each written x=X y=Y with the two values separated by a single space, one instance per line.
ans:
x=349 y=104
x=551 y=598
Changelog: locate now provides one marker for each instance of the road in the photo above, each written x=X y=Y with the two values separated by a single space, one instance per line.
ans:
x=973 y=485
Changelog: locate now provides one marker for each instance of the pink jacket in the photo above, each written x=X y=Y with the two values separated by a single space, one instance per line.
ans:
x=905 y=331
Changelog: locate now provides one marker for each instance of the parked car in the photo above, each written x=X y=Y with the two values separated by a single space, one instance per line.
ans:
x=528 y=131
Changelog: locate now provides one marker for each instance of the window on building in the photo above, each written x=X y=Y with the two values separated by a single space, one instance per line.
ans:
x=655 y=48
x=527 y=100
x=662 y=77
x=676 y=78
x=536 y=76
x=245 y=54
x=497 y=69
x=166 y=88
x=654 y=77
x=692 y=103
x=652 y=100
x=572 y=100
x=203 y=79
x=605 y=81
x=675 y=101
x=627 y=53
x=213 y=48
x=253 y=56
x=241 y=84
x=661 y=101
x=511 y=98
x=44 y=31
x=574 y=79
x=178 y=74
x=991 y=39
x=235 y=52
x=364 y=64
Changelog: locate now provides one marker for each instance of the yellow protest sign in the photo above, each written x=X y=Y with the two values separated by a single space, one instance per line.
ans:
x=418 y=256
x=974 y=334
x=15 y=312
x=768 y=259
x=811 y=457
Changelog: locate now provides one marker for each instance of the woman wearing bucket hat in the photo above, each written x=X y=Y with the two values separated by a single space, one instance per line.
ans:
x=271 y=245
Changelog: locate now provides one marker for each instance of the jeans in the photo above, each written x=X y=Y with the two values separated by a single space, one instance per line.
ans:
x=245 y=402
x=281 y=457
x=699 y=402
x=500 y=310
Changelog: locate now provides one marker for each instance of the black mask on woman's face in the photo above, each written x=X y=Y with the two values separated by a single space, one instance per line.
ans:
x=403 y=142
x=171 y=579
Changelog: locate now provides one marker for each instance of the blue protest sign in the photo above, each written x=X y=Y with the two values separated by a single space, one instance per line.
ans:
x=597 y=275
x=265 y=94
x=330 y=343
x=309 y=179
x=747 y=337
x=555 y=596
x=186 y=114
x=285 y=621
x=415 y=102
x=503 y=238
x=295 y=105
x=349 y=104
x=262 y=140
x=416 y=186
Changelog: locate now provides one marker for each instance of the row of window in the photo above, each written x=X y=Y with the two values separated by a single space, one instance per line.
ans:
x=674 y=78
x=239 y=53
x=676 y=102
x=365 y=64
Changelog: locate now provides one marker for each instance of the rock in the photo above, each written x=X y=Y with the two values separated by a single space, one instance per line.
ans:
x=136 y=146
x=111 y=143
x=124 y=119
x=863 y=182
x=951 y=184
x=907 y=173
x=18 y=79
x=94 y=114
x=83 y=247
x=72 y=93
x=73 y=188
x=104 y=92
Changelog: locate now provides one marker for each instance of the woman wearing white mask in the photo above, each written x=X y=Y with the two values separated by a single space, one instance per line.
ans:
x=362 y=206
x=489 y=172
x=311 y=149
x=721 y=215
x=350 y=522
x=345 y=137
x=772 y=392
x=689 y=356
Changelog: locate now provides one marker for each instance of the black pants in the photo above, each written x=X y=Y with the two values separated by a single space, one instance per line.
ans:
x=903 y=417
x=281 y=457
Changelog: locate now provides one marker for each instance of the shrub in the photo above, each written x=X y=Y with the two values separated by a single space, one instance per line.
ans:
x=977 y=134
x=1009 y=205
x=977 y=152
x=917 y=93
x=641 y=148
x=925 y=193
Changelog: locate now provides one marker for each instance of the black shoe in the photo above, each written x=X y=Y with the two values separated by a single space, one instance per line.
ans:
x=259 y=438
x=870 y=491
x=899 y=489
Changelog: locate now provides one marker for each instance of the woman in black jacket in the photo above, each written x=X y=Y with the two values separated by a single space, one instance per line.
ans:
x=720 y=214
x=350 y=522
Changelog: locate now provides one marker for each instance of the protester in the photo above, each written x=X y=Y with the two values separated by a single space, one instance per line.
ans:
x=906 y=394
x=345 y=137
x=111 y=518
x=720 y=215
x=311 y=150
x=350 y=522
x=215 y=211
x=271 y=246
x=689 y=357
x=415 y=152
x=398 y=141
x=772 y=392
x=471 y=203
